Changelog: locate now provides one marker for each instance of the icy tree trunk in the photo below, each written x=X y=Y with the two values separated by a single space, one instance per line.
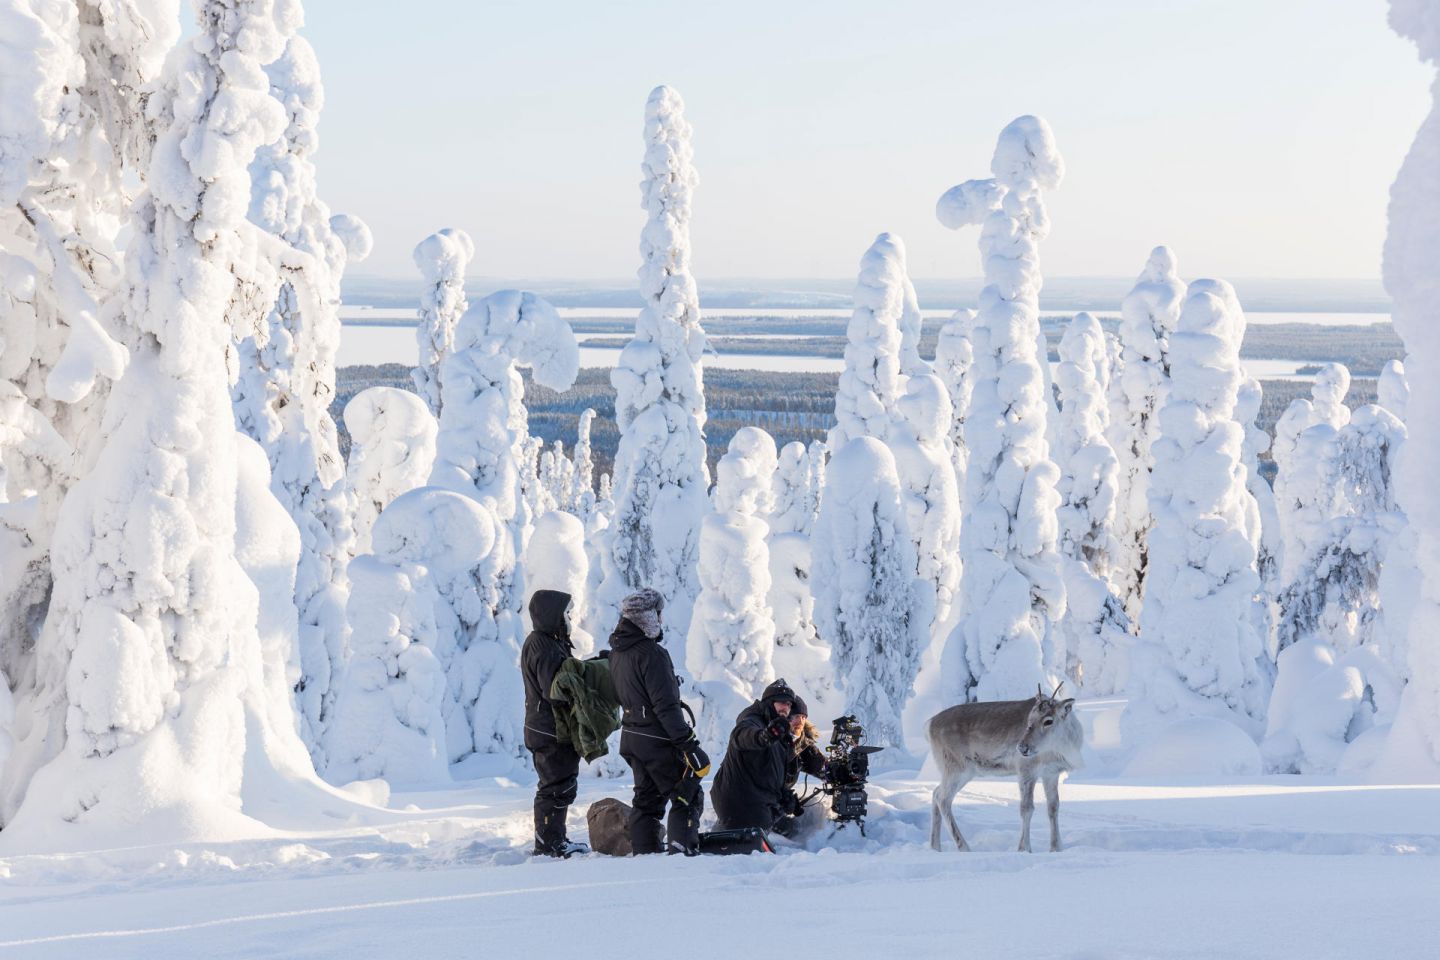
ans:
x=442 y=259
x=392 y=451
x=1198 y=653
x=661 y=476
x=1012 y=591
x=1095 y=625
x=1148 y=316
x=863 y=574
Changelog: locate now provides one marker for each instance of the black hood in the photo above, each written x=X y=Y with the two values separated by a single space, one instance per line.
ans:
x=547 y=613
x=627 y=635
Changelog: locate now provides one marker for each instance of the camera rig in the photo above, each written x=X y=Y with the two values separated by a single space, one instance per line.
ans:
x=847 y=770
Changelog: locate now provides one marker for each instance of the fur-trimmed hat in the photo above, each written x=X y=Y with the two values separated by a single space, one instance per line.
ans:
x=642 y=608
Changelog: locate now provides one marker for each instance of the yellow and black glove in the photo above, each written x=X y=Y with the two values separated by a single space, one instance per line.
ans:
x=696 y=760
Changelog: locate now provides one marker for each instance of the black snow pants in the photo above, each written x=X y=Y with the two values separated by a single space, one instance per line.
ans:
x=660 y=776
x=557 y=765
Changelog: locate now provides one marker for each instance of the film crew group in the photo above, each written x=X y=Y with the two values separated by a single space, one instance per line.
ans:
x=570 y=712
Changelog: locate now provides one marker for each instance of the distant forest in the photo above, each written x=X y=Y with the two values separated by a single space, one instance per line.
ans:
x=790 y=406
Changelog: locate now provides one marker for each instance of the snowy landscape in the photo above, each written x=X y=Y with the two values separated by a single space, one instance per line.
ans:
x=270 y=529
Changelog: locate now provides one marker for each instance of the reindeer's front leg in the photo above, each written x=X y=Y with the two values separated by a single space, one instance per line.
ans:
x=1052 y=806
x=1027 y=807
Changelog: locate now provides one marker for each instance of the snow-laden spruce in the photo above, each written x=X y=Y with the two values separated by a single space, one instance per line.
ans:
x=286 y=376
x=1302 y=502
x=555 y=559
x=1148 y=316
x=863 y=574
x=795 y=492
x=152 y=656
x=1199 y=653
x=1335 y=681
x=485 y=452
x=732 y=634
x=442 y=259
x=801 y=656
x=1412 y=246
x=1095 y=626
x=954 y=356
x=871 y=383
x=580 y=499
x=72 y=134
x=1392 y=389
x=1270 y=546
x=392 y=451
x=1011 y=588
x=661 y=476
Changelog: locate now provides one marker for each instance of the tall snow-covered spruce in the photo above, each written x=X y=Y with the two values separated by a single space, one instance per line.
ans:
x=1148 y=316
x=442 y=259
x=1199 y=653
x=863 y=572
x=1012 y=593
x=392 y=451
x=1412 y=248
x=661 y=477
x=1096 y=627
x=151 y=705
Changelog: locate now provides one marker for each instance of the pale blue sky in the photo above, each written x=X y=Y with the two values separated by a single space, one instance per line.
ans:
x=1256 y=137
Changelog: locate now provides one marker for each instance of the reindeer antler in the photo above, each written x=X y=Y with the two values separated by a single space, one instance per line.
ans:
x=1058 y=686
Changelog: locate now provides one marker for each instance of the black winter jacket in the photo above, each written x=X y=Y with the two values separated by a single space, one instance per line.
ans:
x=545 y=649
x=649 y=693
x=753 y=785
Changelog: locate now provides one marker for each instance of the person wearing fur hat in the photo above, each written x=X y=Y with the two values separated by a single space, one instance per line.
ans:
x=664 y=756
x=773 y=741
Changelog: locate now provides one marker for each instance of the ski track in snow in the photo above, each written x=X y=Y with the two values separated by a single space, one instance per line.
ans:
x=1150 y=869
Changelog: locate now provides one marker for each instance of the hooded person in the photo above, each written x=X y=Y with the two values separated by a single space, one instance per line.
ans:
x=557 y=765
x=655 y=739
x=771 y=744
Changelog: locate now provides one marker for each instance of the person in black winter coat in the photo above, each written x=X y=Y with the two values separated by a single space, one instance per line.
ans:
x=754 y=786
x=556 y=763
x=655 y=737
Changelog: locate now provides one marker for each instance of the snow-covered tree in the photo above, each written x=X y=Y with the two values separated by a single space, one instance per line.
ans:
x=793 y=509
x=581 y=499
x=1012 y=591
x=151 y=659
x=801 y=656
x=862 y=572
x=1303 y=503
x=392 y=451
x=871 y=383
x=1393 y=389
x=464 y=551
x=442 y=259
x=286 y=370
x=1199 y=653
x=1270 y=546
x=1412 y=245
x=1095 y=625
x=389 y=721
x=1148 y=316
x=72 y=137
x=954 y=356
x=555 y=559
x=661 y=476
x=484 y=449
x=732 y=634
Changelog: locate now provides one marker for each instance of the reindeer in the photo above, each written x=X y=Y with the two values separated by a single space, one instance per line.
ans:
x=1035 y=739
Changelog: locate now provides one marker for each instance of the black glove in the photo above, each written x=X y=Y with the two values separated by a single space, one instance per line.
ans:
x=696 y=760
x=779 y=730
x=797 y=806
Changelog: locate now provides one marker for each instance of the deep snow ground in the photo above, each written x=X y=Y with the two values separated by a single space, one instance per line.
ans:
x=1276 y=867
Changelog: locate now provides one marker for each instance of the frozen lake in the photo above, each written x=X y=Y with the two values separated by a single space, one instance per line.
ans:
x=377 y=344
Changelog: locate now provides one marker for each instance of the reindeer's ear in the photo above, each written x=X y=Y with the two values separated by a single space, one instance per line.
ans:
x=1065 y=706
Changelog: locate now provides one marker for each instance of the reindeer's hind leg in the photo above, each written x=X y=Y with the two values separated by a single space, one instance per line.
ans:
x=1027 y=807
x=942 y=805
x=1052 y=807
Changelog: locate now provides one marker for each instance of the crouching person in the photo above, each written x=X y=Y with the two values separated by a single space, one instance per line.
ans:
x=556 y=762
x=664 y=756
x=773 y=741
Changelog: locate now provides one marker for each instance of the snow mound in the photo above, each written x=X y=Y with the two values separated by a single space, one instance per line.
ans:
x=1197 y=747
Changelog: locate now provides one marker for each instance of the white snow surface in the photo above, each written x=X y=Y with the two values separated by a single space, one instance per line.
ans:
x=1153 y=867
